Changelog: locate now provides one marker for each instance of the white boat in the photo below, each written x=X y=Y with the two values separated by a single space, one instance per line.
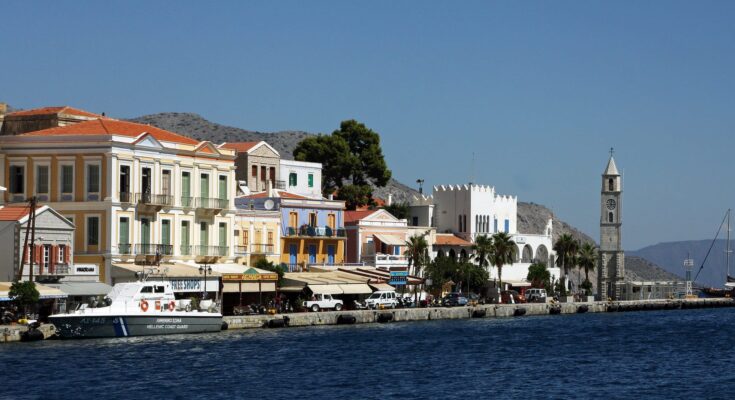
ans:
x=138 y=309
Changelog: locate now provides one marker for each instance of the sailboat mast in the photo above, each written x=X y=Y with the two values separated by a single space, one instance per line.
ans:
x=727 y=251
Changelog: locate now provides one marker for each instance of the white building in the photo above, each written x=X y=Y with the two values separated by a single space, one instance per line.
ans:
x=469 y=211
x=302 y=178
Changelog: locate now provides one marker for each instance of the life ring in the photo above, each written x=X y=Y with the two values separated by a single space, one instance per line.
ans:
x=144 y=305
x=171 y=305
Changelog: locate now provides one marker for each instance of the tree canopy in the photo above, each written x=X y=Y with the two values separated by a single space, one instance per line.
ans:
x=24 y=294
x=399 y=210
x=352 y=161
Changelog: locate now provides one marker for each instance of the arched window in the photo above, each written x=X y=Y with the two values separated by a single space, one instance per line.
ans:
x=440 y=254
x=611 y=184
x=463 y=255
x=452 y=254
x=610 y=217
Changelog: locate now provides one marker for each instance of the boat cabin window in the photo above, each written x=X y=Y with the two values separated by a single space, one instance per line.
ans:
x=159 y=289
x=146 y=289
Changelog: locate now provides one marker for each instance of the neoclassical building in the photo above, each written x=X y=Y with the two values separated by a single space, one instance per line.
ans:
x=136 y=194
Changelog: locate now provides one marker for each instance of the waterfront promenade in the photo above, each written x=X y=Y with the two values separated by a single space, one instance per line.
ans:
x=13 y=333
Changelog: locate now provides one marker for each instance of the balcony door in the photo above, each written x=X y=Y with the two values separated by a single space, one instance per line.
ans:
x=330 y=254
x=222 y=187
x=204 y=185
x=222 y=235
x=166 y=182
x=185 y=189
x=185 y=238
x=145 y=232
x=146 y=180
x=124 y=236
x=312 y=254
x=125 y=183
x=203 y=234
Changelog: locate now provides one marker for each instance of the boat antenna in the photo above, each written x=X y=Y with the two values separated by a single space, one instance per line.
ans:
x=727 y=214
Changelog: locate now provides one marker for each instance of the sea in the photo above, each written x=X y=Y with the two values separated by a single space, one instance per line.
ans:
x=635 y=355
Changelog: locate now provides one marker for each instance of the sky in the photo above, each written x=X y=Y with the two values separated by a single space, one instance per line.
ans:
x=537 y=91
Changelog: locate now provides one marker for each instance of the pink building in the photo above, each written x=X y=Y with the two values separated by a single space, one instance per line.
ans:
x=376 y=238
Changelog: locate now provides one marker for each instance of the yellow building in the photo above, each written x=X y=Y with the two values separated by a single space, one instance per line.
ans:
x=135 y=193
x=257 y=236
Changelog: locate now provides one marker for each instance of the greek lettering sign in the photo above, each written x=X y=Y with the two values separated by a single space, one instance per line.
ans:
x=398 y=276
x=85 y=269
x=249 y=277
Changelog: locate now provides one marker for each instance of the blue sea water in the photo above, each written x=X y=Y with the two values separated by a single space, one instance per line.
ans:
x=643 y=355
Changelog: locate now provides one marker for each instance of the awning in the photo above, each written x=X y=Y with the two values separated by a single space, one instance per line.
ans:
x=326 y=289
x=45 y=292
x=390 y=239
x=356 y=288
x=248 y=287
x=518 y=283
x=291 y=288
x=82 y=288
x=381 y=286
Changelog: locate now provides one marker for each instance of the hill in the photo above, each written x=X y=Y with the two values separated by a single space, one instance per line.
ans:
x=671 y=255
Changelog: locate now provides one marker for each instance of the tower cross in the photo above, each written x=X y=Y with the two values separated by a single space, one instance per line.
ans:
x=611 y=151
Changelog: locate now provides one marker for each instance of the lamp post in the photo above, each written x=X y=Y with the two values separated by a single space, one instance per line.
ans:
x=421 y=185
x=205 y=269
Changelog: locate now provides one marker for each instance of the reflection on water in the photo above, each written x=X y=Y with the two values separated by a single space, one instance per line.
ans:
x=622 y=355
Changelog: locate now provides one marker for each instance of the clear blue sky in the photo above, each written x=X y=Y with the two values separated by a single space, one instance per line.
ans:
x=539 y=91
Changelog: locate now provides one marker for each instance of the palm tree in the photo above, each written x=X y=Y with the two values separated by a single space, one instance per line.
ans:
x=503 y=249
x=482 y=249
x=587 y=259
x=416 y=251
x=566 y=251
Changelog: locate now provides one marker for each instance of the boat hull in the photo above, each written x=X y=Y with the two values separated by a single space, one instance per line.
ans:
x=101 y=326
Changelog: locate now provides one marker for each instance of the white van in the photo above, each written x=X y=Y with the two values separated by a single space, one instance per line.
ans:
x=535 y=295
x=384 y=298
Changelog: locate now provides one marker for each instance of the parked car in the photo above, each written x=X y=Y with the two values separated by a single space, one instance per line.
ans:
x=474 y=299
x=455 y=299
x=535 y=295
x=323 y=301
x=511 y=297
x=382 y=298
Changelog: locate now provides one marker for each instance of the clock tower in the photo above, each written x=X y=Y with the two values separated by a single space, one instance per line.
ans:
x=611 y=263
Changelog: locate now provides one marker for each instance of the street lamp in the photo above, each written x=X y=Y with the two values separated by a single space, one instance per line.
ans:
x=205 y=269
x=421 y=185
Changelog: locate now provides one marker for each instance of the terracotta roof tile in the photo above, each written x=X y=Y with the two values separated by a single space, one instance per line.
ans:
x=14 y=212
x=240 y=147
x=55 y=110
x=353 y=216
x=114 y=127
x=449 y=239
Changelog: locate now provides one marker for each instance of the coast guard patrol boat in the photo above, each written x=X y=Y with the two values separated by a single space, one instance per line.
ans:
x=138 y=309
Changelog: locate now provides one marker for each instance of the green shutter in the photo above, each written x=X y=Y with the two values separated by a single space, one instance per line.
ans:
x=165 y=232
x=222 y=234
x=204 y=186
x=124 y=234
x=184 y=233
x=223 y=187
x=185 y=184
x=145 y=231
x=203 y=234
x=311 y=180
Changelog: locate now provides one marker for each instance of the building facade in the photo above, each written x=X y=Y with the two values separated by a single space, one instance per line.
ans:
x=136 y=193
x=376 y=238
x=257 y=164
x=302 y=178
x=312 y=230
x=257 y=235
x=611 y=264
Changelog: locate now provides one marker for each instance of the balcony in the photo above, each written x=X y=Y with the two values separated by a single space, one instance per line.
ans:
x=210 y=203
x=316 y=231
x=153 y=201
x=154 y=249
x=187 y=202
x=210 y=253
x=55 y=270
x=262 y=248
x=242 y=249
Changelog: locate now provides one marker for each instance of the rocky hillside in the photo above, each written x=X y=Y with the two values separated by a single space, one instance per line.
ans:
x=671 y=255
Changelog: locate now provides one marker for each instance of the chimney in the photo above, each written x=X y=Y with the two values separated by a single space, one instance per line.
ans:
x=390 y=200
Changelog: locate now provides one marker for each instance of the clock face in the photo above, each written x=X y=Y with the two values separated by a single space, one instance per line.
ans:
x=610 y=204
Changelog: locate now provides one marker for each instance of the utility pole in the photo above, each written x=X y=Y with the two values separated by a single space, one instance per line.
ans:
x=32 y=221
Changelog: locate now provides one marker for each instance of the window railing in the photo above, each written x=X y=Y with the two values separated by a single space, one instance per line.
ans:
x=186 y=250
x=261 y=248
x=242 y=249
x=154 y=199
x=187 y=202
x=150 y=249
x=126 y=197
x=315 y=231
x=214 y=251
x=56 y=269
x=124 y=248
x=211 y=203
